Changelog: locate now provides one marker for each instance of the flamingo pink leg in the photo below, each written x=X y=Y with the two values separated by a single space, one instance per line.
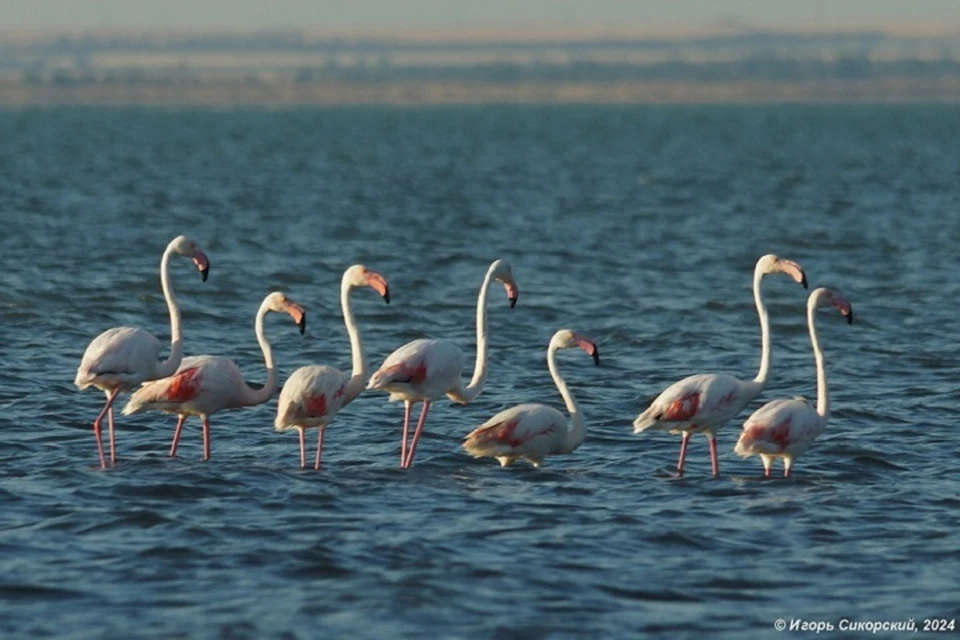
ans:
x=176 y=436
x=416 y=434
x=683 y=452
x=206 y=438
x=713 y=456
x=303 y=449
x=766 y=472
x=113 y=439
x=111 y=396
x=786 y=472
x=407 y=405
x=316 y=464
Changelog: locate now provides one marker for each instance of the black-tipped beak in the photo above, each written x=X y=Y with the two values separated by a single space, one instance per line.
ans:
x=596 y=357
x=386 y=295
x=205 y=272
x=303 y=323
x=850 y=318
x=513 y=302
x=803 y=281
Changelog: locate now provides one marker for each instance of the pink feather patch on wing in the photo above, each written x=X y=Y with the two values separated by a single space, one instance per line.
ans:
x=184 y=385
x=683 y=408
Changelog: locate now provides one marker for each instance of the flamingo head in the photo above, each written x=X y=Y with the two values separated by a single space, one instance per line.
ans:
x=774 y=264
x=823 y=297
x=278 y=301
x=501 y=271
x=184 y=246
x=359 y=276
x=567 y=339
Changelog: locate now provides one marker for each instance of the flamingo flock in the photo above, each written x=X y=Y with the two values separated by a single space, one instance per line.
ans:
x=125 y=359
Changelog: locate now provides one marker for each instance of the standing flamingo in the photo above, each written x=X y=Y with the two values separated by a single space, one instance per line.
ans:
x=703 y=403
x=534 y=431
x=785 y=428
x=313 y=395
x=123 y=357
x=204 y=385
x=425 y=370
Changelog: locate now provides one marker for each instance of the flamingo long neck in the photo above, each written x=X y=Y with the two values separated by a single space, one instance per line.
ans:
x=248 y=396
x=169 y=366
x=761 y=379
x=575 y=435
x=358 y=378
x=480 y=368
x=823 y=396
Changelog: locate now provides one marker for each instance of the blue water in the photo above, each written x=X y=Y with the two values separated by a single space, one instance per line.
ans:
x=637 y=226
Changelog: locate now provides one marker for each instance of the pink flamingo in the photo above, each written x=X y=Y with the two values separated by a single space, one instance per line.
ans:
x=425 y=370
x=313 y=395
x=123 y=357
x=703 y=403
x=204 y=385
x=785 y=428
x=534 y=431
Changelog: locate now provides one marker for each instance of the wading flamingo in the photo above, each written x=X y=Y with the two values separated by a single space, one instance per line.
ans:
x=426 y=370
x=313 y=395
x=204 y=385
x=534 y=431
x=123 y=357
x=704 y=403
x=785 y=428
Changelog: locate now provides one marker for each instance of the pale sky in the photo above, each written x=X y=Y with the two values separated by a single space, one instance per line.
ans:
x=379 y=15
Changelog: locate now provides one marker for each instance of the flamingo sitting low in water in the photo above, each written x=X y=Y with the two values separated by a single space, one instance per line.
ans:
x=313 y=395
x=204 y=385
x=786 y=428
x=121 y=358
x=534 y=431
x=704 y=403
x=426 y=370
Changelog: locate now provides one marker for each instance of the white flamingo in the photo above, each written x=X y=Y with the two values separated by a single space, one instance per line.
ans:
x=534 y=431
x=313 y=395
x=704 y=403
x=204 y=385
x=785 y=428
x=123 y=357
x=426 y=370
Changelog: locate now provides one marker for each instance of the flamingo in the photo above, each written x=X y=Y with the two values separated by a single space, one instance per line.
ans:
x=785 y=428
x=703 y=403
x=313 y=395
x=534 y=431
x=121 y=358
x=425 y=370
x=204 y=385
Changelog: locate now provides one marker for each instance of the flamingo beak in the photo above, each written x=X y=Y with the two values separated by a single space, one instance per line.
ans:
x=793 y=270
x=379 y=284
x=298 y=314
x=203 y=264
x=845 y=308
x=591 y=348
x=512 y=293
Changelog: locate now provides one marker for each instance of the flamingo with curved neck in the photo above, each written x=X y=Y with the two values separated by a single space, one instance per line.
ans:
x=426 y=370
x=313 y=395
x=204 y=385
x=123 y=357
x=703 y=403
x=534 y=431
x=785 y=428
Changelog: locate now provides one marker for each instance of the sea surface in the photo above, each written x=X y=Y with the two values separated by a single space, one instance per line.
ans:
x=637 y=226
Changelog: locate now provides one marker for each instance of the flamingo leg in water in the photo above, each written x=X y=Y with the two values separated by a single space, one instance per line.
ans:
x=303 y=449
x=111 y=396
x=416 y=434
x=713 y=455
x=316 y=464
x=113 y=439
x=407 y=405
x=176 y=436
x=683 y=452
x=767 y=462
x=206 y=438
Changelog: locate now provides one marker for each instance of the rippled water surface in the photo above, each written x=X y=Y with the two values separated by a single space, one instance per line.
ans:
x=637 y=226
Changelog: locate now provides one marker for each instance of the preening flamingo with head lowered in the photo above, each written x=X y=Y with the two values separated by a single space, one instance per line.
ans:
x=704 y=403
x=313 y=395
x=534 y=431
x=426 y=370
x=785 y=428
x=123 y=357
x=204 y=385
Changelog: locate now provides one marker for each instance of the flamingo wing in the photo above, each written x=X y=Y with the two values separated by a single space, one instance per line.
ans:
x=698 y=402
x=120 y=356
x=311 y=397
x=420 y=369
x=202 y=385
x=527 y=430
x=784 y=426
